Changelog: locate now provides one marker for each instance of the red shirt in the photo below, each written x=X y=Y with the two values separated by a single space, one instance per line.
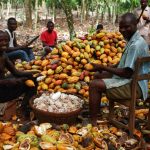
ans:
x=49 y=38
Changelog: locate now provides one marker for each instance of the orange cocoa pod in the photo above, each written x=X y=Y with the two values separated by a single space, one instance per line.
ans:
x=44 y=63
x=29 y=83
x=58 y=82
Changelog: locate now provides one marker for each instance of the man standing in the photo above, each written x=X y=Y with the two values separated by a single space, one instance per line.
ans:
x=144 y=21
x=119 y=86
x=16 y=51
x=49 y=38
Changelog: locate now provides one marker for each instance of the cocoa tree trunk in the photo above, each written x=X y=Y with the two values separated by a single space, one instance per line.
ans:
x=8 y=8
x=68 y=12
x=36 y=14
x=28 y=13
x=82 y=10
x=1 y=10
x=54 y=11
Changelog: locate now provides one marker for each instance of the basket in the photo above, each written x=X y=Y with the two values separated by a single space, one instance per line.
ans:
x=57 y=118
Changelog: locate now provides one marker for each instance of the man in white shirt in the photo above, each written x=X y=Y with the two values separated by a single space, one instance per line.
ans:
x=14 y=50
x=144 y=22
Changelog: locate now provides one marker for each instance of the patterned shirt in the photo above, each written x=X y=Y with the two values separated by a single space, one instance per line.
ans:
x=136 y=47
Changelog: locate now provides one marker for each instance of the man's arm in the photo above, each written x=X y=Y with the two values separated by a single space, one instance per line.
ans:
x=10 y=66
x=122 y=72
x=16 y=46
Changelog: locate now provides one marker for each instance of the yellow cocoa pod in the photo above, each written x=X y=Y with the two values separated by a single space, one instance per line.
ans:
x=63 y=76
x=84 y=61
x=86 y=55
x=76 y=73
x=116 y=60
x=87 y=79
x=88 y=66
x=63 y=59
x=107 y=51
x=69 y=43
x=73 y=79
x=71 y=90
x=67 y=49
x=76 y=49
x=55 y=51
x=44 y=86
x=112 y=54
x=103 y=56
x=87 y=48
x=29 y=83
x=69 y=67
x=65 y=54
x=48 y=80
x=109 y=59
x=44 y=63
x=119 y=55
x=75 y=54
x=105 y=60
x=38 y=62
x=113 y=49
x=100 y=35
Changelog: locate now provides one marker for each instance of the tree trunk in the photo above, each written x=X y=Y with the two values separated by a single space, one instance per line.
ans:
x=16 y=8
x=1 y=10
x=54 y=11
x=117 y=14
x=97 y=12
x=114 y=15
x=82 y=11
x=28 y=12
x=68 y=12
x=103 y=13
x=78 y=11
x=36 y=15
x=92 y=14
x=109 y=14
x=8 y=8
x=87 y=10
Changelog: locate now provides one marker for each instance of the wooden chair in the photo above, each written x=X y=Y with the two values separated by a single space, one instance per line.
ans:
x=130 y=102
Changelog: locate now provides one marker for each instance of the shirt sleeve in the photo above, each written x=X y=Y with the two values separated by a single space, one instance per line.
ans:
x=42 y=37
x=132 y=55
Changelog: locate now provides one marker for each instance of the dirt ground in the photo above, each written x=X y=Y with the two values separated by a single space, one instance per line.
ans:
x=61 y=27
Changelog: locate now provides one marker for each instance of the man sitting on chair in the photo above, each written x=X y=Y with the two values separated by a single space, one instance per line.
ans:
x=119 y=85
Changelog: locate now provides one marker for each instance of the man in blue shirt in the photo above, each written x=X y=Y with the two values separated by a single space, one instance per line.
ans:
x=119 y=86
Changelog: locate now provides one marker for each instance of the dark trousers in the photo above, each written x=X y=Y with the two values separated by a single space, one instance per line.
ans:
x=10 y=92
x=24 y=55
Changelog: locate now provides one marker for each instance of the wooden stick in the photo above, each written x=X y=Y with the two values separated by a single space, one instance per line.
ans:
x=140 y=15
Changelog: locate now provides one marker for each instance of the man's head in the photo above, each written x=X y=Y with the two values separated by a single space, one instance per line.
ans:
x=144 y=3
x=99 y=27
x=12 y=24
x=128 y=25
x=3 y=41
x=50 y=26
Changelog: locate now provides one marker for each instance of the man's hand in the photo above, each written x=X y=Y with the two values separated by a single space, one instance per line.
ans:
x=14 y=81
x=97 y=67
x=22 y=47
x=47 y=49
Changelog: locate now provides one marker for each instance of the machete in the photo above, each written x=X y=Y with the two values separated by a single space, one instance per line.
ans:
x=30 y=42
